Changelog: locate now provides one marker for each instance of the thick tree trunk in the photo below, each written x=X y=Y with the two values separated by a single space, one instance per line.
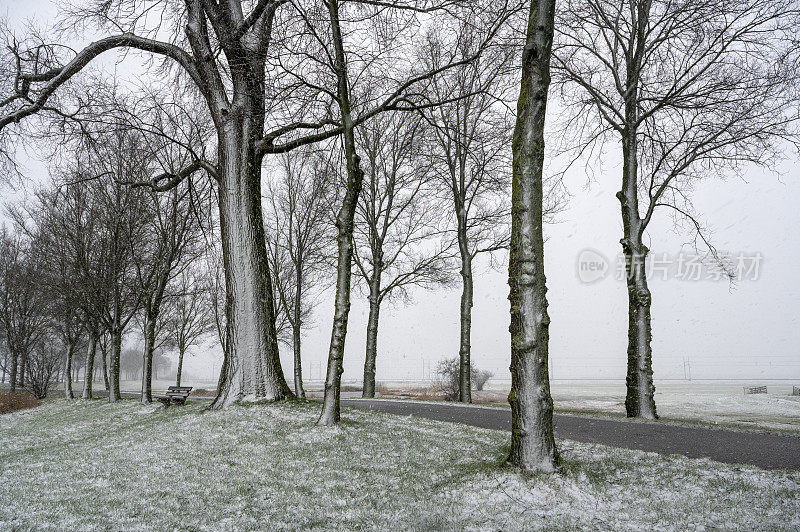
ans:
x=372 y=335
x=296 y=324
x=90 y=354
x=181 y=352
x=147 y=360
x=465 y=349
x=640 y=396
x=116 y=351
x=344 y=223
x=251 y=369
x=68 y=371
x=533 y=447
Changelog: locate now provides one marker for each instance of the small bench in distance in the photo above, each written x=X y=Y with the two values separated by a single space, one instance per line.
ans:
x=176 y=395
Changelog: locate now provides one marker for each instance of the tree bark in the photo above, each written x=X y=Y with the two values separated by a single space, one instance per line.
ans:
x=90 y=354
x=68 y=371
x=640 y=396
x=296 y=339
x=22 y=363
x=12 y=375
x=104 y=354
x=344 y=224
x=533 y=447
x=368 y=388
x=147 y=360
x=116 y=351
x=467 y=290
x=181 y=352
x=251 y=369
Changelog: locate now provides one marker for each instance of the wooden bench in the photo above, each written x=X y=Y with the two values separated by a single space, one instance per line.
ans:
x=176 y=395
x=755 y=389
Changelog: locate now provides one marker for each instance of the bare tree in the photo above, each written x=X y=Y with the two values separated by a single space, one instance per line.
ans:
x=189 y=316
x=44 y=361
x=399 y=238
x=56 y=276
x=690 y=89
x=298 y=241
x=344 y=224
x=470 y=154
x=485 y=22
x=173 y=243
x=121 y=216
x=67 y=223
x=533 y=447
x=23 y=311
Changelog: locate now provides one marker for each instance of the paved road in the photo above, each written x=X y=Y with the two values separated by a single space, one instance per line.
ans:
x=768 y=451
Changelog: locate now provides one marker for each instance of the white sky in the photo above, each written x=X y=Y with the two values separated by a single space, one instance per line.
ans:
x=748 y=331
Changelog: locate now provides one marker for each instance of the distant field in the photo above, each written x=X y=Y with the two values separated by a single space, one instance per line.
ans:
x=77 y=465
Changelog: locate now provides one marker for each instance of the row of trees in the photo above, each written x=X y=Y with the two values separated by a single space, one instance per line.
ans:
x=387 y=129
x=92 y=257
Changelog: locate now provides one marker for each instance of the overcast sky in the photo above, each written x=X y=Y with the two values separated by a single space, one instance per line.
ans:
x=749 y=330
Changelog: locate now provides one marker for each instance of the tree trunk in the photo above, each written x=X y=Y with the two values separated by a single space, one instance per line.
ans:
x=12 y=375
x=640 y=396
x=90 y=354
x=68 y=371
x=147 y=360
x=344 y=223
x=104 y=354
x=116 y=351
x=368 y=389
x=296 y=324
x=181 y=352
x=464 y=349
x=251 y=369
x=533 y=447
x=22 y=363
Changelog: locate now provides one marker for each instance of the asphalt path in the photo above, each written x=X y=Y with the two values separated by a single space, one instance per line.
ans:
x=761 y=449
x=765 y=450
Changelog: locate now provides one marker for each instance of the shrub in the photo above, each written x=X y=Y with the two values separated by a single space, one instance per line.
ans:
x=448 y=373
x=479 y=377
x=20 y=400
x=42 y=368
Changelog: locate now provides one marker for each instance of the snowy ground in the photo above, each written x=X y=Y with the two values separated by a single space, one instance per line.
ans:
x=78 y=465
x=723 y=403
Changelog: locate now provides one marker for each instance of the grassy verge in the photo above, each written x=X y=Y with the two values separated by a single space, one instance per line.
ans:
x=93 y=465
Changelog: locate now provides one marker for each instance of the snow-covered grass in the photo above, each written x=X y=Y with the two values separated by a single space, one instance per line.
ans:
x=713 y=403
x=73 y=465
